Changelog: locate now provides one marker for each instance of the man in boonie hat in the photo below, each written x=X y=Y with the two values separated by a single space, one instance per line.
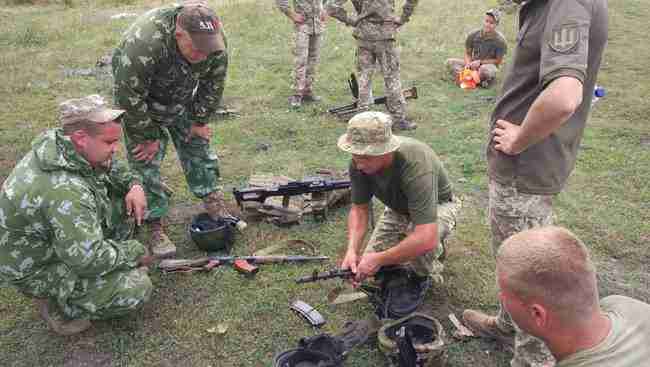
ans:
x=408 y=177
x=170 y=71
x=64 y=235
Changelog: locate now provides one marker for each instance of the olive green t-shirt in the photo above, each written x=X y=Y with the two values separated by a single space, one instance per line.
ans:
x=484 y=46
x=628 y=342
x=413 y=185
x=557 y=38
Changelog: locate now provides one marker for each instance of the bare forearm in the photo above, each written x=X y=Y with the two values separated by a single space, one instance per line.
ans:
x=357 y=227
x=491 y=61
x=550 y=110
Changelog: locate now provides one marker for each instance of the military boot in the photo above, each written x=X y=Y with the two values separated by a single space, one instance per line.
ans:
x=311 y=98
x=404 y=124
x=486 y=327
x=160 y=245
x=295 y=101
x=58 y=323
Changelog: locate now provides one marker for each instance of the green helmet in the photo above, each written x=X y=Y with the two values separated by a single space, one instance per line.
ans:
x=212 y=235
x=415 y=340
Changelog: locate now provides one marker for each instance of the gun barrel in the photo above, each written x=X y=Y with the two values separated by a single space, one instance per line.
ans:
x=316 y=276
x=271 y=259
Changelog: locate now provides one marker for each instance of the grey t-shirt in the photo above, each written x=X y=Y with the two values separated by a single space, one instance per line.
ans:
x=484 y=46
x=557 y=38
x=628 y=342
x=413 y=185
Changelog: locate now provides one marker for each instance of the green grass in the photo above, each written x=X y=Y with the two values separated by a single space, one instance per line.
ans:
x=607 y=200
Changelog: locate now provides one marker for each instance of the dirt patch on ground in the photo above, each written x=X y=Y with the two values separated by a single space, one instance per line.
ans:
x=84 y=353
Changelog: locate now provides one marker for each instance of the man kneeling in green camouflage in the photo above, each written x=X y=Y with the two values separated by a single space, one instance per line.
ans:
x=63 y=222
x=407 y=176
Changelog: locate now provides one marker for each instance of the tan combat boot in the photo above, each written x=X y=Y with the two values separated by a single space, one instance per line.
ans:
x=486 y=326
x=160 y=245
x=215 y=205
x=57 y=323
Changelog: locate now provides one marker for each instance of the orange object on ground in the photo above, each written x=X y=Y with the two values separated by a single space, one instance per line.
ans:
x=468 y=79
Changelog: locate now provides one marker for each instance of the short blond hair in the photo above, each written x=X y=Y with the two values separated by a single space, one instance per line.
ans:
x=552 y=266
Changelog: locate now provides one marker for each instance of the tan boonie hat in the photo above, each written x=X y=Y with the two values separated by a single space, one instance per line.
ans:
x=495 y=13
x=203 y=26
x=92 y=108
x=369 y=133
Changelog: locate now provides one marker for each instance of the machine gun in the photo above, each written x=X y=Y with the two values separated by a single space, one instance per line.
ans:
x=243 y=264
x=315 y=187
x=348 y=110
x=343 y=274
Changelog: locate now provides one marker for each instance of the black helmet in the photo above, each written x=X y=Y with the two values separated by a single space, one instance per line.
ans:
x=212 y=235
x=300 y=357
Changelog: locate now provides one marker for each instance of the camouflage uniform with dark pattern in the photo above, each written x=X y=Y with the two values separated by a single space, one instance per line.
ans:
x=375 y=31
x=308 y=37
x=63 y=234
x=163 y=95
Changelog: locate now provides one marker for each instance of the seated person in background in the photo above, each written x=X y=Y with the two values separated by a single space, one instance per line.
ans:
x=548 y=285
x=484 y=50
x=64 y=234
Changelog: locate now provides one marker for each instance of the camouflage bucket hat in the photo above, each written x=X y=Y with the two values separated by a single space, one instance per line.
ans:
x=426 y=336
x=91 y=108
x=203 y=26
x=369 y=133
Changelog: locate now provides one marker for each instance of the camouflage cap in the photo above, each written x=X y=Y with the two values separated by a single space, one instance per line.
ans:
x=369 y=133
x=91 y=108
x=203 y=26
x=495 y=13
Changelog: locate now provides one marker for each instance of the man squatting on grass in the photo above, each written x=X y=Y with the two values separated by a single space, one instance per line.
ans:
x=407 y=176
x=64 y=233
x=548 y=286
x=484 y=50
x=308 y=17
x=535 y=132
x=164 y=57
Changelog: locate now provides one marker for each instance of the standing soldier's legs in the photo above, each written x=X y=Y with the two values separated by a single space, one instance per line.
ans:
x=312 y=66
x=390 y=67
x=511 y=212
x=201 y=167
x=301 y=59
x=157 y=196
x=365 y=67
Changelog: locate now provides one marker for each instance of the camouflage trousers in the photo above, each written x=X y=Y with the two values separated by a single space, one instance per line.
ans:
x=200 y=166
x=486 y=72
x=393 y=227
x=385 y=56
x=510 y=212
x=306 y=57
x=105 y=296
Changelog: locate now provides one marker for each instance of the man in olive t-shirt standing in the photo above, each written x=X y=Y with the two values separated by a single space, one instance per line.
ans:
x=407 y=176
x=484 y=50
x=548 y=285
x=535 y=131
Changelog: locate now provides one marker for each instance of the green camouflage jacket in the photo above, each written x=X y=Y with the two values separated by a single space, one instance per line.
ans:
x=155 y=84
x=374 y=17
x=57 y=220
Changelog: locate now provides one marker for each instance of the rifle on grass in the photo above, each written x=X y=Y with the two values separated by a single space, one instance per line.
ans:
x=287 y=190
x=353 y=108
x=343 y=274
x=243 y=264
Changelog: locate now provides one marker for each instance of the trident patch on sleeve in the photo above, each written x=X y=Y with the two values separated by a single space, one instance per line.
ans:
x=564 y=38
